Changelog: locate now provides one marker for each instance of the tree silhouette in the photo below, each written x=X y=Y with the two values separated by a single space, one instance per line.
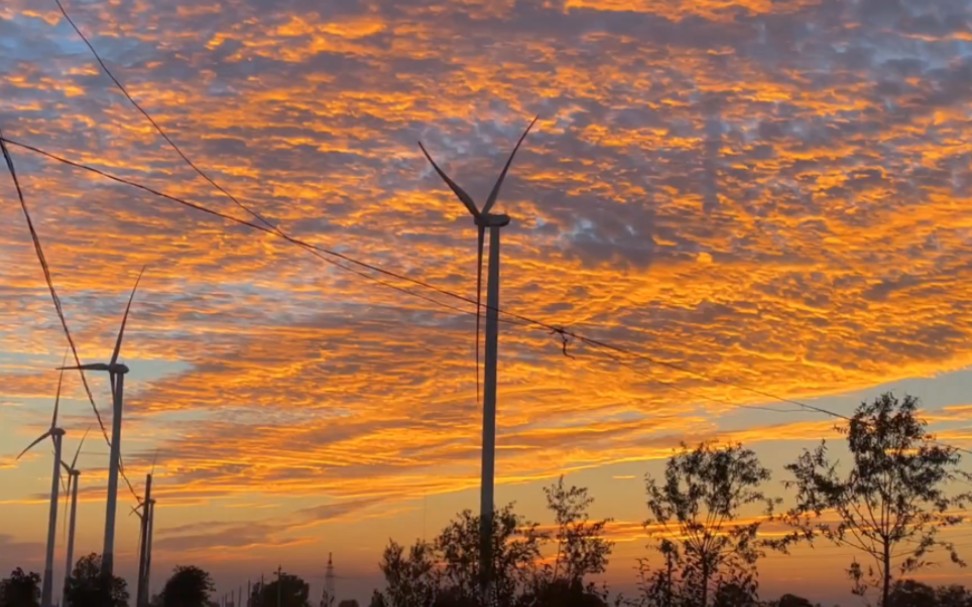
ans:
x=188 y=586
x=88 y=588
x=909 y=593
x=791 y=600
x=445 y=573
x=696 y=510
x=20 y=589
x=286 y=591
x=953 y=596
x=516 y=551
x=892 y=500
x=411 y=578
x=581 y=547
x=377 y=599
x=660 y=587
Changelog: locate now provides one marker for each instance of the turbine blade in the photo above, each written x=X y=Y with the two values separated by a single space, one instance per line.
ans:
x=499 y=182
x=31 y=446
x=87 y=367
x=74 y=461
x=57 y=399
x=461 y=193
x=121 y=332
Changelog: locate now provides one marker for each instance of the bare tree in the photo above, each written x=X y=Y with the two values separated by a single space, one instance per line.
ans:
x=891 y=500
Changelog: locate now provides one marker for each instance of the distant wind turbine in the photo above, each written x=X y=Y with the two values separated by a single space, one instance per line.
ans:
x=116 y=374
x=494 y=221
x=147 y=504
x=74 y=475
x=56 y=435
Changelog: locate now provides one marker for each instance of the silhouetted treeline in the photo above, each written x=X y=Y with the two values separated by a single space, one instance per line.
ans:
x=891 y=499
x=887 y=502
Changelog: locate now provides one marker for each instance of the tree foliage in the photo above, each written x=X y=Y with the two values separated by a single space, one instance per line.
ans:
x=286 y=591
x=20 y=589
x=88 y=588
x=188 y=586
x=581 y=549
x=890 y=502
x=446 y=572
x=696 y=515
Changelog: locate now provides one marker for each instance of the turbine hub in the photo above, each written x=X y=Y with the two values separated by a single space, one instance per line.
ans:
x=57 y=432
x=492 y=220
x=119 y=368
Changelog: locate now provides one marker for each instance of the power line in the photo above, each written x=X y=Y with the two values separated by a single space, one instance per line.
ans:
x=42 y=259
x=609 y=350
x=565 y=334
x=606 y=348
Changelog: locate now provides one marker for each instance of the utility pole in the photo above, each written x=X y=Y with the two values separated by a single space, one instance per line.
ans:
x=279 y=583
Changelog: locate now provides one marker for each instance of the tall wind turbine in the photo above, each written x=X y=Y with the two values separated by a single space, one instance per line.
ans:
x=494 y=221
x=116 y=374
x=74 y=475
x=56 y=434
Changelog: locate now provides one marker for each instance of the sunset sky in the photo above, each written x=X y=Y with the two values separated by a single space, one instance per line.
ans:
x=774 y=195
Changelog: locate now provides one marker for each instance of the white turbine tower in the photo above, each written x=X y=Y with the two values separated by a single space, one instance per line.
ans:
x=494 y=221
x=74 y=475
x=56 y=434
x=116 y=374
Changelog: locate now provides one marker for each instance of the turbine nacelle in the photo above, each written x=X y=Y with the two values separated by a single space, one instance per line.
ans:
x=491 y=220
x=113 y=368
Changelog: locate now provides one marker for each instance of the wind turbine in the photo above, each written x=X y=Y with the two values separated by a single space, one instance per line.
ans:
x=56 y=434
x=147 y=504
x=74 y=475
x=494 y=221
x=116 y=374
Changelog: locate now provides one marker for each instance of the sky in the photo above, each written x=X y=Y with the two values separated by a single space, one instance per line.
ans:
x=773 y=196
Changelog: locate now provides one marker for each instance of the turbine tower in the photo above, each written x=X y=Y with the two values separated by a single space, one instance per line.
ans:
x=56 y=435
x=74 y=475
x=141 y=592
x=116 y=375
x=494 y=221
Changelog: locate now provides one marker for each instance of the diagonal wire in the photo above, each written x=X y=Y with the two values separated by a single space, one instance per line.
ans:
x=607 y=349
x=513 y=317
x=38 y=249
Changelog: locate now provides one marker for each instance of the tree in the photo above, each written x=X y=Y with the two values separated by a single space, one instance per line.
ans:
x=953 y=596
x=516 y=551
x=445 y=573
x=890 y=503
x=20 y=589
x=88 y=588
x=581 y=547
x=792 y=600
x=660 y=587
x=910 y=593
x=412 y=579
x=699 y=507
x=377 y=599
x=286 y=591
x=188 y=586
